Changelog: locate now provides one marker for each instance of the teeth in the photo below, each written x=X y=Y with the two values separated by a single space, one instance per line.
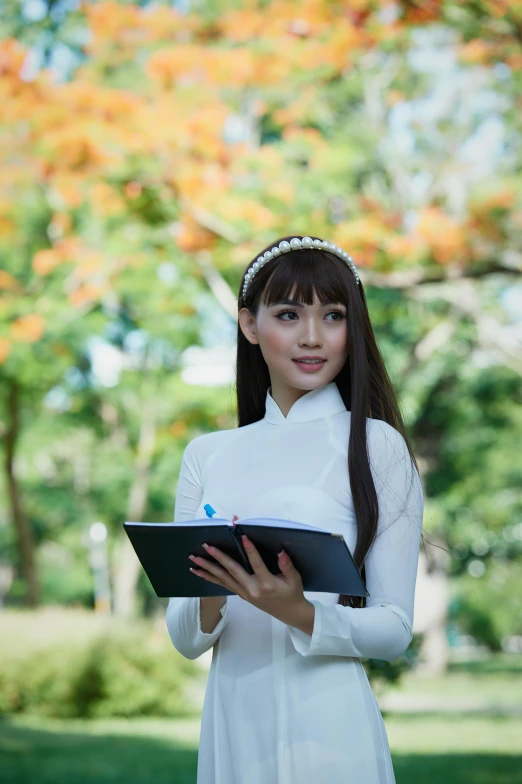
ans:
x=311 y=361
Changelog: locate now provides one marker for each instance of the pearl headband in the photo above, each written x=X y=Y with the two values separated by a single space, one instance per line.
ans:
x=297 y=244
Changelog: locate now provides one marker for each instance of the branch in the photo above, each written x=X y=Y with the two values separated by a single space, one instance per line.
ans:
x=429 y=344
x=498 y=339
x=419 y=276
x=217 y=283
x=211 y=222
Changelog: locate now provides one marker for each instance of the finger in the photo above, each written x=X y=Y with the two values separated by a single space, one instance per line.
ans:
x=215 y=574
x=286 y=566
x=211 y=568
x=257 y=563
x=212 y=579
x=206 y=576
x=232 y=567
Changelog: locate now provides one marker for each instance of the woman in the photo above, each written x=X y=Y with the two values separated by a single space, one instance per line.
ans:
x=287 y=699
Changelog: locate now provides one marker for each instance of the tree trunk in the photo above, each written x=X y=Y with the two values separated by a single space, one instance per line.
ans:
x=430 y=611
x=126 y=566
x=24 y=535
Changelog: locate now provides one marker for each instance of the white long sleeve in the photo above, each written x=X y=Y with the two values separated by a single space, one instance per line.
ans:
x=183 y=613
x=382 y=629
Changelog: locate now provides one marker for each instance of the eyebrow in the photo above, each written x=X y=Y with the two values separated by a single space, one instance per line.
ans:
x=300 y=304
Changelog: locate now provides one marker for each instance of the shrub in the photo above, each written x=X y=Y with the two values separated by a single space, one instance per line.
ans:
x=72 y=663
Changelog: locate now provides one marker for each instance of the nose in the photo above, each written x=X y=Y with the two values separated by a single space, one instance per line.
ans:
x=310 y=336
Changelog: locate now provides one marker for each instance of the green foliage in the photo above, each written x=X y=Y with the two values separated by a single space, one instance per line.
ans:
x=488 y=608
x=382 y=673
x=386 y=153
x=72 y=664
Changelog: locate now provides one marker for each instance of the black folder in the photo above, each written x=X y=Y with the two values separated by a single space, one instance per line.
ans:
x=321 y=557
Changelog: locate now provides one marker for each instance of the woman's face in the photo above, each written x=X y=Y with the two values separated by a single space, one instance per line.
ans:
x=285 y=332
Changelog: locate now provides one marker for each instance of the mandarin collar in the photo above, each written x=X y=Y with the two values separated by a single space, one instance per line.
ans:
x=315 y=404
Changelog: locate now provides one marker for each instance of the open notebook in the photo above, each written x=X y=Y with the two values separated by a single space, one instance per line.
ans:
x=321 y=557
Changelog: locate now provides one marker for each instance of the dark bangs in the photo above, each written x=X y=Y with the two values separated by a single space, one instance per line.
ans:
x=300 y=274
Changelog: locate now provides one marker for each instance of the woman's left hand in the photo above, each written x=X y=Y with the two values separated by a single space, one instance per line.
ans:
x=279 y=595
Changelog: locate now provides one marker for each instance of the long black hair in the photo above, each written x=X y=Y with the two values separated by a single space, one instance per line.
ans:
x=363 y=382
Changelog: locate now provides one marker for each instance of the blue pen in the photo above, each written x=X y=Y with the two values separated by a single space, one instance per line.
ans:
x=210 y=512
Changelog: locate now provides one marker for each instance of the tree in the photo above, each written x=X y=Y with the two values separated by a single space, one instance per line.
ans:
x=193 y=139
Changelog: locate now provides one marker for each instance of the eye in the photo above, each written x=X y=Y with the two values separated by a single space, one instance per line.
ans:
x=336 y=312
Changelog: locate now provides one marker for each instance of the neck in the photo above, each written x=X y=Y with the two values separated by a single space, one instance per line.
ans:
x=285 y=396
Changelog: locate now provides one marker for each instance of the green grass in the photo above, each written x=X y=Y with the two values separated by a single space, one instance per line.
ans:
x=427 y=749
x=456 y=749
x=493 y=684
x=52 y=751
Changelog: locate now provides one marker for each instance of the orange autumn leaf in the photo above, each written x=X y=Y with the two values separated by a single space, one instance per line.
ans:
x=272 y=68
x=343 y=43
x=118 y=26
x=69 y=248
x=69 y=188
x=241 y=25
x=186 y=310
x=267 y=160
x=162 y=22
x=12 y=58
x=132 y=189
x=299 y=109
x=189 y=183
x=90 y=263
x=191 y=236
x=498 y=8
x=60 y=223
x=104 y=200
x=114 y=22
x=516 y=218
x=361 y=237
x=8 y=282
x=428 y=11
x=404 y=248
x=28 y=329
x=5 y=349
x=86 y=293
x=504 y=199
x=294 y=133
x=395 y=96
x=78 y=146
x=475 y=52
x=234 y=207
x=514 y=61
x=7 y=227
x=180 y=63
x=62 y=350
x=80 y=97
x=46 y=260
x=178 y=429
x=258 y=216
x=282 y=190
x=234 y=68
x=444 y=235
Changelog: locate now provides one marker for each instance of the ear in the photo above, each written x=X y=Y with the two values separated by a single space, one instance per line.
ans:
x=247 y=324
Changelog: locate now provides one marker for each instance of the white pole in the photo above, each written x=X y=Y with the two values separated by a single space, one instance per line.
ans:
x=100 y=567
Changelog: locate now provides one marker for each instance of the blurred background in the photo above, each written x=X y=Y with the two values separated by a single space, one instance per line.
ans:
x=148 y=152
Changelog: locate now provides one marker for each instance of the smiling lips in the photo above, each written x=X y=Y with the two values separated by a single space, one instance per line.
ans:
x=309 y=365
